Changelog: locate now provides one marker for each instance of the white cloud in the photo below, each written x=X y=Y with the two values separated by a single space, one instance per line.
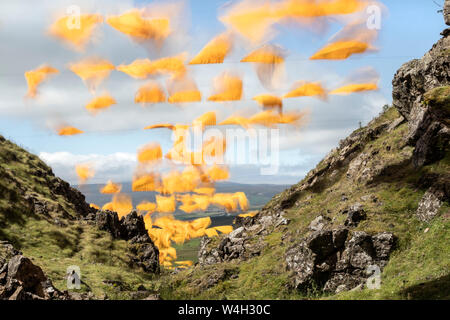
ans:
x=117 y=166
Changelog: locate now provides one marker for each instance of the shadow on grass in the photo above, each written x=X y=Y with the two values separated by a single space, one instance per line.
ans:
x=15 y=241
x=438 y=289
x=61 y=239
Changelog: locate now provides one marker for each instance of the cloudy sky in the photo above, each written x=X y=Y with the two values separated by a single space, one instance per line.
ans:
x=112 y=137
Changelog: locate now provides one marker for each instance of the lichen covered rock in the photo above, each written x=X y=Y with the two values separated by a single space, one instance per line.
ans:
x=334 y=259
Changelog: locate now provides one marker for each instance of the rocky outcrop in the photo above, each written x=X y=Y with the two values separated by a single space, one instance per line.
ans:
x=75 y=197
x=419 y=76
x=432 y=129
x=24 y=280
x=108 y=221
x=355 y=214
x=242 y=243
x=319 y=223
x=236 y=245
x=144 y=253
x=436 y=194
x=130 y=227
x=133 y=228
x=332 y=259
x=420 y=93
x=21 y=279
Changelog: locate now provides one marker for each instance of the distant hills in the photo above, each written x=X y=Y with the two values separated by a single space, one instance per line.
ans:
x=257 y=194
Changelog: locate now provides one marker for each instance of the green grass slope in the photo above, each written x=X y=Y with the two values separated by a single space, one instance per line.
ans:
x=419 y=267
x=55 y=237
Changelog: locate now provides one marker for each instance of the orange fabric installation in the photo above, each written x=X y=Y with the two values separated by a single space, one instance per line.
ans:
x=236 y=120
x=173 y=66
x=122 y=204
x=318 y=8
x=307 y=89
x=108 y=207
x=134 y=24
x=251 y=19
x=76 y=31
x=268 y=101
x=206 y=119
x=100 y=103
x=215 y=51
x=110 y=188
x=340 y=50
x=84 y=172
x=69 y=131
x=37 y=76
x=165 y=204
x=146 y=206
x=150 y=153
x=138 y=69
x=92 y=71
x=146 y=182
x=93 y=205
x=351 y=88
x=217 y=173
x=224 y=229
x=269 y=64
x=150 y=93
x=183 y=90
x=250 y=214
x=267 y=54
x=227 y=87
x=213 y=150
x=361 y=80
x=255 y=19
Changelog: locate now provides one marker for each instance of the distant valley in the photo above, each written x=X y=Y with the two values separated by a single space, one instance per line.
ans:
x=258 y=195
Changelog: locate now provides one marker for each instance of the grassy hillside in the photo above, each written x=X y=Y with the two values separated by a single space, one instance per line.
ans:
x=419 y=267
x=42 y=219
x=45 y=224
x=47 y=228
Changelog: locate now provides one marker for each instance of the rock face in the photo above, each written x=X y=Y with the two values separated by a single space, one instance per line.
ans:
x=419 y=76
x=355 y=214
x=331 y=259
x=236 y=245
x=241 y=243
x=431 y=202
x=29 y=276
x=61 y=187
x=421 y=93
x=108 y=221
x=319 y=223
x=418 y=88
x=131 y=228
x=20 y=279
